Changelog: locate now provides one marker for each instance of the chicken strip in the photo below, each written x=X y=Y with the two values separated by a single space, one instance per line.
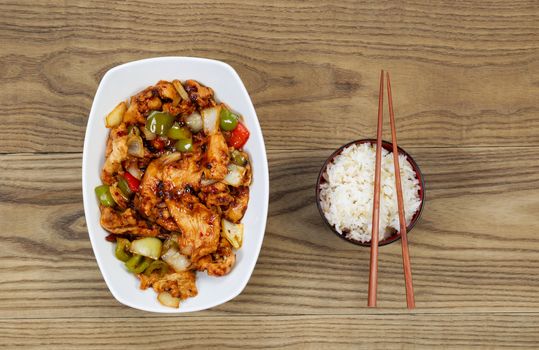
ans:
x=167 y=91
x=149 y=200
x=180 y=284
x=200 y=228
x=220 y=262
x=115 y=154
x=141 y=104
x=184 y=174
x=199 y=94
x=216 y=194
x=237 y=209
x=127 y=222
x=217 y=157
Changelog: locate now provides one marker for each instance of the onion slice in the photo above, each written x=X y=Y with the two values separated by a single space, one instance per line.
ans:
x=135 y=171
x=176 y=260
x=147 y=246
x=135 y=147
x=210 y=119
x=181 y=90
x=114 y=118
x=194 y=122
x=148 y=135
x=235 y=175
x=232 y=232
x=167 y=299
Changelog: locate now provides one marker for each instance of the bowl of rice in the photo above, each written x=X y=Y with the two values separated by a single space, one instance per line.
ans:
x=345 y=189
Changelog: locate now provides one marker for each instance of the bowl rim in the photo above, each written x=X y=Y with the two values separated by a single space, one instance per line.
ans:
x=388 y=146
x=89 y=196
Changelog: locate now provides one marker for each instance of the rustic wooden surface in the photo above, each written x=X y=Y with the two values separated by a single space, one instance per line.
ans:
x=465 y=77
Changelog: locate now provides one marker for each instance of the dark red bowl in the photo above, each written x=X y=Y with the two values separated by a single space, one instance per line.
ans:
x=388 y=146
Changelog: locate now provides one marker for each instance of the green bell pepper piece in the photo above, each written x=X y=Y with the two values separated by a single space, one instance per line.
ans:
x=159 y=122
x=122 y=248
x=104 y=196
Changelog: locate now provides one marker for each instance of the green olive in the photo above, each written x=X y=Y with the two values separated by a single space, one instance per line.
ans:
x=228 y=121
x=159 y=122
x=184 y=145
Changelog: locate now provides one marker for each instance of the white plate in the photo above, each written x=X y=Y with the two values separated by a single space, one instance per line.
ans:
x=119 y=84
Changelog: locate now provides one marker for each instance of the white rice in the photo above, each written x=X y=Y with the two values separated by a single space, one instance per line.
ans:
x=347 y=195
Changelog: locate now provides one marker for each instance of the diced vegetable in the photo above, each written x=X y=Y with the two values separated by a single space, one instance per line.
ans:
x=104 y=196
x=171 y=242
x=194 y=122
x=181 y=90
x=233 y=233
x=148 y=135
x=207 y=182
x=178 y=132
x=184 y=145
x=228 y=120
x=238 y=158
x=132 y=182
x=158 y=143
x=159 y=122
x=132 y=262
x=124 y=187
x=167 y=299
x=147 y=246
x=157 y=266
x=135 y=147
x=118 y=196
x=114 y=118
x=134 y=171
x=176 y=260
x=239 y=136
x=137 y=263
x=133 y=130
x=122 y=248
x=210 y=119
x=235 y=175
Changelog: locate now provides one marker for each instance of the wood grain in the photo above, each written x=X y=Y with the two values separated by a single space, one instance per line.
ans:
x=465 y=79
x=463 y=75
x=483 y=331
x=461 y=253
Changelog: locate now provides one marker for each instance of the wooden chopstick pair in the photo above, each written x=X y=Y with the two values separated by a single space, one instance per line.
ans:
x=373 y=275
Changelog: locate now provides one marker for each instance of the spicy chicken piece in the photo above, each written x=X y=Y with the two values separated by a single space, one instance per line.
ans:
x=180 y=284
x=217 y=157
x=167 y=92
x=162 y=96
x=141 y=104
x=171 y=99
x=115 y=153
x=237 y=209
x=182 y=174
x=149 y=199
x=216 y=194
x=199 y=94
x=220 y=262
x=200 y=227
x=127 y=222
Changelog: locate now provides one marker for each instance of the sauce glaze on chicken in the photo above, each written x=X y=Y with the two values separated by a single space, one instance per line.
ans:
x=175 y=186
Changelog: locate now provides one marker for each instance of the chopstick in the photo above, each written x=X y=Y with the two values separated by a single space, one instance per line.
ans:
x=373 y=274
x=410 y=300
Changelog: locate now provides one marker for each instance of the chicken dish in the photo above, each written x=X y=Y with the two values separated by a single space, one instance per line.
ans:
x=175 y=186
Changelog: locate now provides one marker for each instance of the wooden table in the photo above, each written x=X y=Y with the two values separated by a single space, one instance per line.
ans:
x=466 y=89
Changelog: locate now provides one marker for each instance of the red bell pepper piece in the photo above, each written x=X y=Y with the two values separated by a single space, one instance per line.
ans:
x=239 y=136
x=132 y=182
x=158 y=144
